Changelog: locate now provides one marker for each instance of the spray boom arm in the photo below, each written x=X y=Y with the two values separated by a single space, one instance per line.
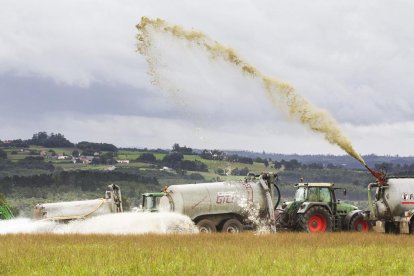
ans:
x=380 y=176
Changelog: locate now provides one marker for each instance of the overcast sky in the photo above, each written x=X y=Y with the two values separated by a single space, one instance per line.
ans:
x=72 y=67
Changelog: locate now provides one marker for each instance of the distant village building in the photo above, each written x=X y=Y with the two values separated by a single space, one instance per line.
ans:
x=123 y=161
x=86 y=159
x=167 y=169
x=63 y=157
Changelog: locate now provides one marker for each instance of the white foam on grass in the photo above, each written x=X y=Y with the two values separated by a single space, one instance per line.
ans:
x=117 y=224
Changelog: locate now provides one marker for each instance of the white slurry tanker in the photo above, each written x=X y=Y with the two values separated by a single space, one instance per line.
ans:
x=225 y=206
x=66 y=211
x=392 y=209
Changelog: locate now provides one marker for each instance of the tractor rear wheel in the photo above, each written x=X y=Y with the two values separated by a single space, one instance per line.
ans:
x=316 y=220
x=232 y=226
x=358 y=224
x=206 y=226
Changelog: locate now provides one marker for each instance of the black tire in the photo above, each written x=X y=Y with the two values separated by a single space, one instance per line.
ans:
x=232 y=226
x=206 y=226
x=358 y=224
x=411 y=227
x=390 y=228
x=316 y=219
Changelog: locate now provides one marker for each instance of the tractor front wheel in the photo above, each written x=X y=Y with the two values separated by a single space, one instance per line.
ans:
x=316 y=220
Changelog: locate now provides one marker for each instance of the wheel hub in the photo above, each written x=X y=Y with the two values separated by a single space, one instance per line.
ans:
x=317 y=223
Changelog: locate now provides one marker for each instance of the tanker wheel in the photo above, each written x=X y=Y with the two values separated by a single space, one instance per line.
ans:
x=390 y=228
x=232 y=226
x=358 y=224
x=316 y=220
x=206 y=226
x=411 y=227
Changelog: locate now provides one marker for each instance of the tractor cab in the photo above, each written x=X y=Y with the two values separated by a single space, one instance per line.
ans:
x=315 y=192
x=150 y=201
x=321 y=193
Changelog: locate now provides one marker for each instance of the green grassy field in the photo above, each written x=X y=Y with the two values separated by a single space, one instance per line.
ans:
x=219 y=254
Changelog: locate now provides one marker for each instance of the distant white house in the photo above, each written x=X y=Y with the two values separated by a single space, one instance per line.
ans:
x=123 y=161
x=63 y=157
x=167 y=169
x=86 y=159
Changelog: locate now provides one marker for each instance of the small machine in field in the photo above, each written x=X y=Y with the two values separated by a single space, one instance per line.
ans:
x=66 y=211
x=316 y=209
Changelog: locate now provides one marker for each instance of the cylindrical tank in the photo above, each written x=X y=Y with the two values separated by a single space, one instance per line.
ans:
x=397 y=195
x=72 y=209
x=112 y=203
x=196 y=200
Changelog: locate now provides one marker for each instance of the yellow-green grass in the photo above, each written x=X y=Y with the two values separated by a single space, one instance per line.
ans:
x=219 y=254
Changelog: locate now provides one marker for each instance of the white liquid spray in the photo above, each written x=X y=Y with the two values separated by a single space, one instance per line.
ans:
x=119 y=224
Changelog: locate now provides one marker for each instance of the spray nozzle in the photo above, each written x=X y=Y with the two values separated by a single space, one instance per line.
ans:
x=380 y=176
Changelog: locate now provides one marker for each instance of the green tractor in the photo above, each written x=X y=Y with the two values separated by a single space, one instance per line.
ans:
x=316 y=209
x=5 y=212
x=150 y=201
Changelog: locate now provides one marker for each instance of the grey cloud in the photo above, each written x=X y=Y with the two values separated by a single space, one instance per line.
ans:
x=352 y=58
x=31 y=98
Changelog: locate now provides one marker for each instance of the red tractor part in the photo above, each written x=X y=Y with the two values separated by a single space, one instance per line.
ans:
x=378 y=175
x=317 y=223
x=361 y=225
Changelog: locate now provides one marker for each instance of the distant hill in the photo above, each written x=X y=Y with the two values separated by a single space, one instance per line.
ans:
x=337 y=160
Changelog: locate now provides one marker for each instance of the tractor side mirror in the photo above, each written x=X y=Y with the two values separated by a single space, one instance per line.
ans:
x=344 y=192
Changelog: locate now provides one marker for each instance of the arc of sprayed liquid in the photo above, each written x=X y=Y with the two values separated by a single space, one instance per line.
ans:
x=280 y=93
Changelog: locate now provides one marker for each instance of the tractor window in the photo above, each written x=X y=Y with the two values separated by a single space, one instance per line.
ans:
x=325 y=195
x=300 y=194
x=148 y=202
x=313 y=194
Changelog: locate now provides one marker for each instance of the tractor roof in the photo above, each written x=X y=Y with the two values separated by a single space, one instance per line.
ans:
x=156 y=194
x=314 y=185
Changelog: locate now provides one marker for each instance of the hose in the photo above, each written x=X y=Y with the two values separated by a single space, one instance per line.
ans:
x=278 y=196
x=269 y=205
x=78 y=216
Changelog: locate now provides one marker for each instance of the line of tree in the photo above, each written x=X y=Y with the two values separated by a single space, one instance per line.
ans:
x=86 y=180
x=212 y=154
x=220 y=155
x=183 y=150
x=174 y=160
x=96 y=147
x=239 y=159
x=50 y=141
x=18 y=143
